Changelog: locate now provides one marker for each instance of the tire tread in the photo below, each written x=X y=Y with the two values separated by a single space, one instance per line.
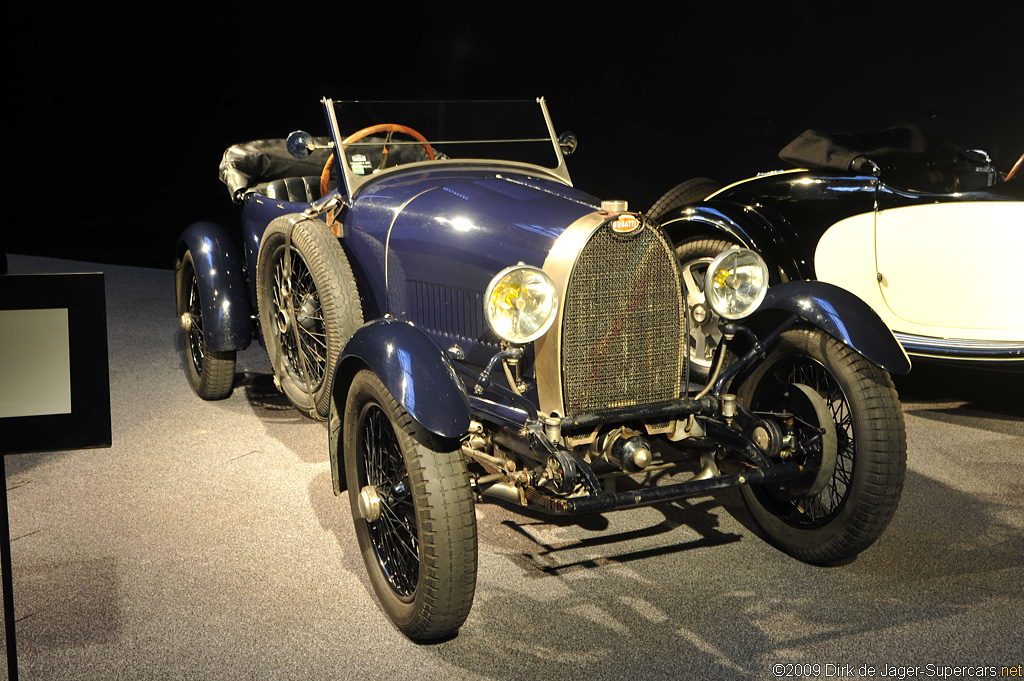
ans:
x=446 y=521
x=689 y=191
x=336 y=289
x=217 y=379
x=879 y=465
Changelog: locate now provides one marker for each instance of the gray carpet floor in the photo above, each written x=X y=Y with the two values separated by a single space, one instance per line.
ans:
x=206 y=543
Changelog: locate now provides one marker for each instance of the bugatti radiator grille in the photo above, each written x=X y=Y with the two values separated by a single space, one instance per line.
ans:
x=621 y=329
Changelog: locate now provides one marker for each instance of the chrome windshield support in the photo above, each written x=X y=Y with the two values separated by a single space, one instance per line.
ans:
x=339 y=151
x=561 y=170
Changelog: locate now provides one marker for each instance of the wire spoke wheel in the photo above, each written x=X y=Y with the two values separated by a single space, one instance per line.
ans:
x=210 y=373
x=862 y=485
x=196 y=337
x=309 y=307
x=412 y=508
x=393 y=534
x=303 y=333
x=821 y=507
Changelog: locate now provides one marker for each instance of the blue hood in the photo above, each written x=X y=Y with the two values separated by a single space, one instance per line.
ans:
x=442 y=234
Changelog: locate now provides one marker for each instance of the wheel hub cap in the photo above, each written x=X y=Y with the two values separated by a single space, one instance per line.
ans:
x=306 y=312
x=369 y=504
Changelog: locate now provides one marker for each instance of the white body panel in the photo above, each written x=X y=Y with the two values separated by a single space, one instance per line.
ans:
x=954 y=265
x=948 y=270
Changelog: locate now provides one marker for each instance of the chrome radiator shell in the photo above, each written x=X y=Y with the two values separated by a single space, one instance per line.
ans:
x=618 y=340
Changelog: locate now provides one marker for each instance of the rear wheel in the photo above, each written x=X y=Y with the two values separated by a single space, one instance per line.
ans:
x=309 y=307
x=847 y=508
x=210 y=373
x=413 y=513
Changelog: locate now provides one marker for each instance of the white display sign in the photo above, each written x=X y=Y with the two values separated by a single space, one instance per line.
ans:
x=35 y=363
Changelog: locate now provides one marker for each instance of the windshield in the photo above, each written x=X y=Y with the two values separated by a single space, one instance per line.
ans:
x=382 y=135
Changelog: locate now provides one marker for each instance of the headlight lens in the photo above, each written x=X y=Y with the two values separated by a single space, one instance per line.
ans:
x=736 y=283
x=520 y=304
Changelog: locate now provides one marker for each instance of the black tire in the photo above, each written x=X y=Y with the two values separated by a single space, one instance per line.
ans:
x=691 y=191
x=862 y=493
x=325 y=302
x=705 y=335
x=210 y=373
x=420 y=548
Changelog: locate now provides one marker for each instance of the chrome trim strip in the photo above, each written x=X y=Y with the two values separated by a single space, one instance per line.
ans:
x=485 y=164
x=962 y=348
x=387 y=242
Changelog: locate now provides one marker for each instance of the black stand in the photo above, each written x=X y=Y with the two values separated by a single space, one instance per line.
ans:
x=5 y=566
x=81 y=298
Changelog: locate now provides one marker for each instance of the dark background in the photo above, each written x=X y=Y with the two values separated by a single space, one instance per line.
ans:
x=117 y=122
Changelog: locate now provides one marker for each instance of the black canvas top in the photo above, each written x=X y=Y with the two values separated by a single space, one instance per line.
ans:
x=248 y=164
x=899 y=145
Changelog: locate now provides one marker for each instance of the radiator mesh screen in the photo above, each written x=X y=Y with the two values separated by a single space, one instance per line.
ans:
x=622 y=331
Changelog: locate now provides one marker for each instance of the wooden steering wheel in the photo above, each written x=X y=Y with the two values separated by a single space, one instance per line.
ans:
x=1016 y=168
x=389 y=128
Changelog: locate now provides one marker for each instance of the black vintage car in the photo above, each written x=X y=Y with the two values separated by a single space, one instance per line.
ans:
x=474 y=328
x=887 y=215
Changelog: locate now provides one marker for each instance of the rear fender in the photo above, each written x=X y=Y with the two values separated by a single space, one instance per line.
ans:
x=227 y=313
x=843 y=316
x=413 y=369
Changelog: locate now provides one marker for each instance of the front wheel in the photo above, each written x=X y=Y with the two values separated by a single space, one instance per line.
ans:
x=413 y=513
x=859 y=491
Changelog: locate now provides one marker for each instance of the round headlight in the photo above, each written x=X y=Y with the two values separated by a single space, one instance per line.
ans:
x=520 y=304
x=736 y=283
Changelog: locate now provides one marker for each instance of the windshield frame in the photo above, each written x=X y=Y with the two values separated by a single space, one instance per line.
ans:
x=354 y=182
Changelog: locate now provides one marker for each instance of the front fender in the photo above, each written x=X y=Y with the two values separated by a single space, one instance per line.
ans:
x=227 y=314
x=843 y=316
x=413 y=369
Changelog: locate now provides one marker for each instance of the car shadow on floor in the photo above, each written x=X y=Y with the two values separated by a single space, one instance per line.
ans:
x=992 y=393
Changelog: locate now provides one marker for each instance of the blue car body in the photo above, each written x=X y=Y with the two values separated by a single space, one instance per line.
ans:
x=528 y=336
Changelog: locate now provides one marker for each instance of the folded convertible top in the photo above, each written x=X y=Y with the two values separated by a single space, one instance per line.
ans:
x=897 y=146
x=248 y=164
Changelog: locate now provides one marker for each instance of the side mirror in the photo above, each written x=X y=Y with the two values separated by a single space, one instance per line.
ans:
x=300 y=144
x=567 y=142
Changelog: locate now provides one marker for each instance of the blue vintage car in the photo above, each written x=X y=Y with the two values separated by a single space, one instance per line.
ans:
x=474 y=328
